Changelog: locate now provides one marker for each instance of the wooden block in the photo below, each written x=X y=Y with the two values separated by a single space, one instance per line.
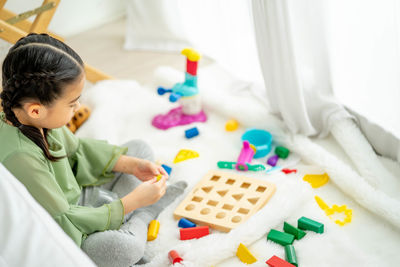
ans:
x=224 y=200
x=245 y=255
x=152 y=232
x=305 y=223
x=194 y=232
x=290 y=229
x=275 y=261
x=280 y=237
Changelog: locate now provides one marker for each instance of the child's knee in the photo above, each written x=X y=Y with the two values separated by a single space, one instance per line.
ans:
x=140 y=149
x=114 y=248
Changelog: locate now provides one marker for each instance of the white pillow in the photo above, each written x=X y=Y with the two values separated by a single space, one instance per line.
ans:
x=28 y=234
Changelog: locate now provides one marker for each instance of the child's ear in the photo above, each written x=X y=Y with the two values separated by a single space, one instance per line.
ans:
x=35 y=110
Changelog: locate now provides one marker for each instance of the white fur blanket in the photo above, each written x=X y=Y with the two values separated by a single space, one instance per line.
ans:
x=122 y=110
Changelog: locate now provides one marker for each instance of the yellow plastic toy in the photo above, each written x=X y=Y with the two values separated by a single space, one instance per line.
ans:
x=191 y=54
x=231 y=125
x=185 y=154
x=316 y=180
x=152 y=233
x=159 y=177
x=245 y=255
x=335 y=209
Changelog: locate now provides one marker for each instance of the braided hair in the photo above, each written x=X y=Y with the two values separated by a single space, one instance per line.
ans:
x=37 y=67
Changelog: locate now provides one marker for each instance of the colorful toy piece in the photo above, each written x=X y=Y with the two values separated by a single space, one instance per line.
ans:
x=185 y=223
x=80 y=116
x=273 y=160
x=231 y=125
x=192 y=132
x=224 y=200
x=232 y=165
x=152 y=233
x=245 y=255
x=260 y=139
x=316 y=180
x=188 y=95
x=245 y=156
x=290 y=229
x=287 y=171
x=282 y=152
x=185 y=154
x=275 y=261
x=167 y=168
x=274 y=169
x=194 y=232
x=280 y=237
x=159 y=177
x=290 y=255
x=305 y=223
x=174 y=257
x=335 y=209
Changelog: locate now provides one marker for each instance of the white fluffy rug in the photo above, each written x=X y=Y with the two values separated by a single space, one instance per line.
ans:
x=122 y=110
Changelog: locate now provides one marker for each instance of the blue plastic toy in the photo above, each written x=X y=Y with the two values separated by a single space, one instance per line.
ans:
x=167 y=168
x=185 y=223
x=192 y=132
x=261 y=139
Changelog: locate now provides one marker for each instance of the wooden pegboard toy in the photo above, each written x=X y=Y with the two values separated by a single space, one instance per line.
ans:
x=224 y=200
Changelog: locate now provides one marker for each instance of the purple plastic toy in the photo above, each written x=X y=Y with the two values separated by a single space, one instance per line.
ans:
x=176 y=117
x=246 y=155
x=273 y=160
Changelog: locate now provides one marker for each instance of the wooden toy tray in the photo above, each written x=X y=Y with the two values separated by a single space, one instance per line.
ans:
x=224 y=200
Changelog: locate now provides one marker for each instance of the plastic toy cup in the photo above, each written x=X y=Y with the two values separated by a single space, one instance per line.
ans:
x=261 y=139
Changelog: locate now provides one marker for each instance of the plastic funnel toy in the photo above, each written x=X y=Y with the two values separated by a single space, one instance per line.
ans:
x=261 y=139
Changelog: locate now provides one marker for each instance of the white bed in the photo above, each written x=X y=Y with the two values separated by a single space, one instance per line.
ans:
x=123 y=109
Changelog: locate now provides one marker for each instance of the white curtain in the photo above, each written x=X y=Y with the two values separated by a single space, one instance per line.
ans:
x=364 y=38
x=294 y=61
x=291 y=40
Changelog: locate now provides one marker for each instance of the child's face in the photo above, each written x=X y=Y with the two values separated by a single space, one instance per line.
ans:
x=63 y=109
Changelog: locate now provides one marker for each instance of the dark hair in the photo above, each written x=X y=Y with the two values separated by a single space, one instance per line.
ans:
x=37 y=67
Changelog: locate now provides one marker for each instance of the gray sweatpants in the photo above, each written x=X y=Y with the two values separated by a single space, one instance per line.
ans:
x=123 y=247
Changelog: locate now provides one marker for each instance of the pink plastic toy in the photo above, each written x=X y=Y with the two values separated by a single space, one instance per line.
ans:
x=246 y=155
x=187 y=93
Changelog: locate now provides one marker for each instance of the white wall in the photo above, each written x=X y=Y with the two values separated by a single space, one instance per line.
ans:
x=75 y=16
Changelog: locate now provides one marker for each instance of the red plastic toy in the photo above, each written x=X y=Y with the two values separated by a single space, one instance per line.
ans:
x=287 y=171
x=275 y=261
x=194 y=232
x=174 y=257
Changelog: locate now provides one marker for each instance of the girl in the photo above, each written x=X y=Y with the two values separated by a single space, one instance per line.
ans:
x=43 y=79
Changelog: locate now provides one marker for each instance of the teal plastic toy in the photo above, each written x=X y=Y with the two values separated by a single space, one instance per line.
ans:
x=232 y=165
x=261 y=139
x=185 y=89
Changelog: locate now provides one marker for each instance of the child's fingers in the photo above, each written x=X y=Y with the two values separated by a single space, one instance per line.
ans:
x=162 y=182
x=163 y=172
x=152 y=180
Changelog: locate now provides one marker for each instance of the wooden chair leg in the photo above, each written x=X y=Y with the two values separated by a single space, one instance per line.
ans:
x=94 y=75
x=42 y=20
x=10 y=33
x=24 y=25
x=2 y=3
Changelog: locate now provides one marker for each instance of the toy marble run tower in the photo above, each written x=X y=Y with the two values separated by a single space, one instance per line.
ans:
x=187 y=93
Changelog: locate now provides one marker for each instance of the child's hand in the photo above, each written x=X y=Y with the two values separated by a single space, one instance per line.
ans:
x=146 y=170
x=147 y=193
